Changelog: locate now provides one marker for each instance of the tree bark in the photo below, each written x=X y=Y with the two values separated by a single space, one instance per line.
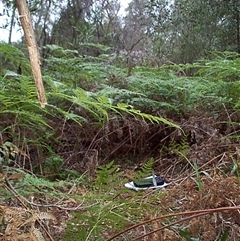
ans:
x=25 y=19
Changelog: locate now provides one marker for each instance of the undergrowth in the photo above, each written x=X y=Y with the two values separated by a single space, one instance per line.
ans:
x=67 y=101
x=111 y=206
x=91 y=93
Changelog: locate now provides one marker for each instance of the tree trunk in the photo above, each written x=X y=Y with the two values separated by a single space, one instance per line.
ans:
x=238 y=29
x=34 y=56
x=11 y=25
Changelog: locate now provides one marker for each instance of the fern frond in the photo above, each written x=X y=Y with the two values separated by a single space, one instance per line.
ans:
x=108 y=177
x=101 y=47
x=146 y=169
x=12 y=58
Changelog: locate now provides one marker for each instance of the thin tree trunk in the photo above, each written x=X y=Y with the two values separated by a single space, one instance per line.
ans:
x=11 y=25
x=238 y=30
x=34 y=56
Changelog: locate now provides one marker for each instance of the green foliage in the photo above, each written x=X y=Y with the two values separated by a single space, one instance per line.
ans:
x=223 y=70
x=97 y=46
x=214 y=84
x=225 y=235
x=53 y=168
x=151 y=89
x=196 y=171
x=235 y=168
x=179 y=147
x=107 y=177
x=60 y=52
x=86 y=90
x=67 y=100
x=180 y=31
x=30 y=185
x=146 y=169
x=221 y=66
x=98 y=104
x=120 y=95
x=18 y=98
x=74 y=70
x=182 y=149
x=107 y=209
x=11 y=59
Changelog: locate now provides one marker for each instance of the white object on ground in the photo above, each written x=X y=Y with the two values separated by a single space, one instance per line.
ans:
x=130 y=185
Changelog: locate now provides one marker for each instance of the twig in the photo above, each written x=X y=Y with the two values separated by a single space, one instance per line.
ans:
x=30 y=211
x=168 y=225
x=17 y=195
x=195 y=213
x=205 y=164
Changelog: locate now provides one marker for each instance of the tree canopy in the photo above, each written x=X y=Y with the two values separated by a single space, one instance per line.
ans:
x=180 y=31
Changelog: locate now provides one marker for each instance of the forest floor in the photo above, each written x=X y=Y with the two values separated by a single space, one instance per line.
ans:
x=201 y=168
x=203 y=175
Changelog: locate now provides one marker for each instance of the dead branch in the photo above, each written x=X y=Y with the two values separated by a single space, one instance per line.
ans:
x=25 y=19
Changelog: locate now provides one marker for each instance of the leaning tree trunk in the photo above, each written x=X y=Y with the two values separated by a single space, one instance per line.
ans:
x=25 y=19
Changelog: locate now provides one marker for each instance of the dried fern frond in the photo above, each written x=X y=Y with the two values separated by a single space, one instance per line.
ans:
x=36 y=235
x=45 y=215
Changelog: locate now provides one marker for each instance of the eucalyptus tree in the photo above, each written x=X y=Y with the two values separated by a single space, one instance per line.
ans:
x=88 y=21
x=105 y=17
x=43 y=13
x=161 y=31
x=228 y=25
x=71 y=26
x=136 y=26
x=205 y=25
x=147 y=29
x=8 y=17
